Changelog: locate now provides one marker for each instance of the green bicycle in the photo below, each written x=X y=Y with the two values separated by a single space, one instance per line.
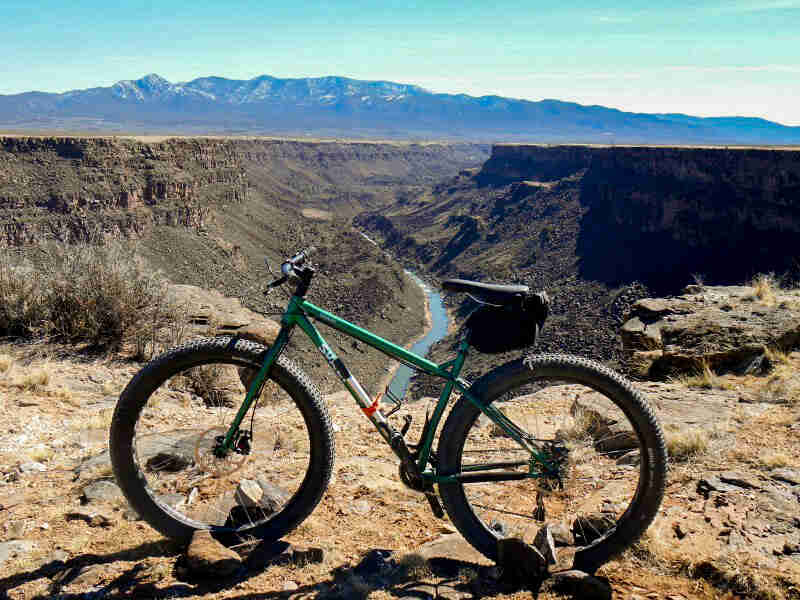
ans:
x=228 y=435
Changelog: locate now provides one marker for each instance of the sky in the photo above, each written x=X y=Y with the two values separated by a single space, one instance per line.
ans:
x=705 y=58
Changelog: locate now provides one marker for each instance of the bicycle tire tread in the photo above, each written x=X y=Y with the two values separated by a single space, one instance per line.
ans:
x=130 y=404
x=631 y=401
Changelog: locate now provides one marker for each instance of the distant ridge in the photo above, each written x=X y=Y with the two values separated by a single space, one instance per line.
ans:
x=343 y=107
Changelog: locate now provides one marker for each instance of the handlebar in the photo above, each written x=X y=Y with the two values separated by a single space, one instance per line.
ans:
x=288 y=267
x=297 y=260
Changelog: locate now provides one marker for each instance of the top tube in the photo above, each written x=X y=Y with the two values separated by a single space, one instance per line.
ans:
x=300 y=305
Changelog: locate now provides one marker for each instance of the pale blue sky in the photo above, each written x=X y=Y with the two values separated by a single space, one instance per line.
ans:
x=734 y=57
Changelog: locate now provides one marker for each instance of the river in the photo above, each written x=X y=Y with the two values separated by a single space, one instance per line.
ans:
x=439 y=322
x=438 y=330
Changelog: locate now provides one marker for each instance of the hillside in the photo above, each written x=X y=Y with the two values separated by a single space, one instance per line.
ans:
x=207 y=212
x=598 y=227
x=342 y=107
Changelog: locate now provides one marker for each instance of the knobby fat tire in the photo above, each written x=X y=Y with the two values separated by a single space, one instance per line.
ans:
x=245 y=353
x=653 y=467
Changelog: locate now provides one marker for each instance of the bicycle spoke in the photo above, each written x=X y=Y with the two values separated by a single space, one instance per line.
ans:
x=173 y=460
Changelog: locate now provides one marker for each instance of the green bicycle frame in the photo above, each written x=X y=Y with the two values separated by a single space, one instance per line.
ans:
x=297 y=315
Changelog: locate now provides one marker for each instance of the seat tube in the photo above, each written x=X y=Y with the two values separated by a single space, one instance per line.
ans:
x=455 y=370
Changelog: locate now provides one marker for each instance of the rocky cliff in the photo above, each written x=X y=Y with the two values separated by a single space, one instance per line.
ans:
x=75 y=188
x=597 y=226
x=659 y=214
x=207 y=212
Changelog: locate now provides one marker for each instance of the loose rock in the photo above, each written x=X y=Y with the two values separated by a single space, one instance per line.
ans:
x=581 y=585
x=32 y=467
x=206 y=557
x=93 y=518
x=562 y=536
x=521 y=563
x=102 y=491
x=545 y=543
x=712 y=483
x=15 y=548
x=249 y=493
x=791 y=476
x=452 y=547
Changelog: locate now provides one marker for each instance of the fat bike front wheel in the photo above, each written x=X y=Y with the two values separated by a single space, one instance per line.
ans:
x=170 y=418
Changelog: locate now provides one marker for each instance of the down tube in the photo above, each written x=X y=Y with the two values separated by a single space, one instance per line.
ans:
x=368 y=406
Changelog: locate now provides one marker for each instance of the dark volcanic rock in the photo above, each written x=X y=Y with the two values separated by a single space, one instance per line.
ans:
x=727 y=328
x=521 y=563
x=580 y=585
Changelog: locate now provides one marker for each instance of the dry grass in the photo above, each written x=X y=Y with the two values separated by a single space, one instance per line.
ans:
x=702 y=377
x=777 y=357
x=208 y=382
x=687 y=444
x=773 y=459
x=41 y=453
x=764 y=286
x=723 y=573
x=5 y=363
x=783 y=387
x=83 y=293
x=584 y=424
x=35 y=380
x=99 y=420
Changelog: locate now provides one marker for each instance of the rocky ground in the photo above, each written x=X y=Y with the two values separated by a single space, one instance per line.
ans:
x=728 y=525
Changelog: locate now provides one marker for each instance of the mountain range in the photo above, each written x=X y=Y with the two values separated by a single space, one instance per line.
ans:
x=343 y=107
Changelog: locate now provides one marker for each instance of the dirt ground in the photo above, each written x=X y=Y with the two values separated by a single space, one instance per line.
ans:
x=707 y=542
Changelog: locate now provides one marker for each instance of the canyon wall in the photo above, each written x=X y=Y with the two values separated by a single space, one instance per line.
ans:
x=655 y=214
x=73 y=189
x=599 y=227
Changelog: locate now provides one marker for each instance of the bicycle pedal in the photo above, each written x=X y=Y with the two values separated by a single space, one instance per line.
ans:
x=436 y=506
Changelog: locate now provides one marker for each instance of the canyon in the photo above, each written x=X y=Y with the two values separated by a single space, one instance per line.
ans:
x=600 y=228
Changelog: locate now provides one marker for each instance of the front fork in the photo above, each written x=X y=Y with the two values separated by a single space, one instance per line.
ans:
x=229 y=442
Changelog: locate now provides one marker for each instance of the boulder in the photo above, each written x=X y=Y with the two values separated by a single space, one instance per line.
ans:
x=103 y=490
x=209 y=310
x=453 y=547
x=580 y=585
x=729 y=328
x=588 y=528
x=546 y=545
x=255 y=500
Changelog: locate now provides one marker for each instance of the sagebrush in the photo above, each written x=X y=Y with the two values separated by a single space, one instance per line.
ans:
x=101 y=294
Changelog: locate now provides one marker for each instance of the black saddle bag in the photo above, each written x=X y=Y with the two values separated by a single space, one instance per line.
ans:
x=494 y=329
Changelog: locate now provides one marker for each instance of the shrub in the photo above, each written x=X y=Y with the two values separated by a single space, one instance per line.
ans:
x=34 y=380
x=83 y=293
x=764 y=286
